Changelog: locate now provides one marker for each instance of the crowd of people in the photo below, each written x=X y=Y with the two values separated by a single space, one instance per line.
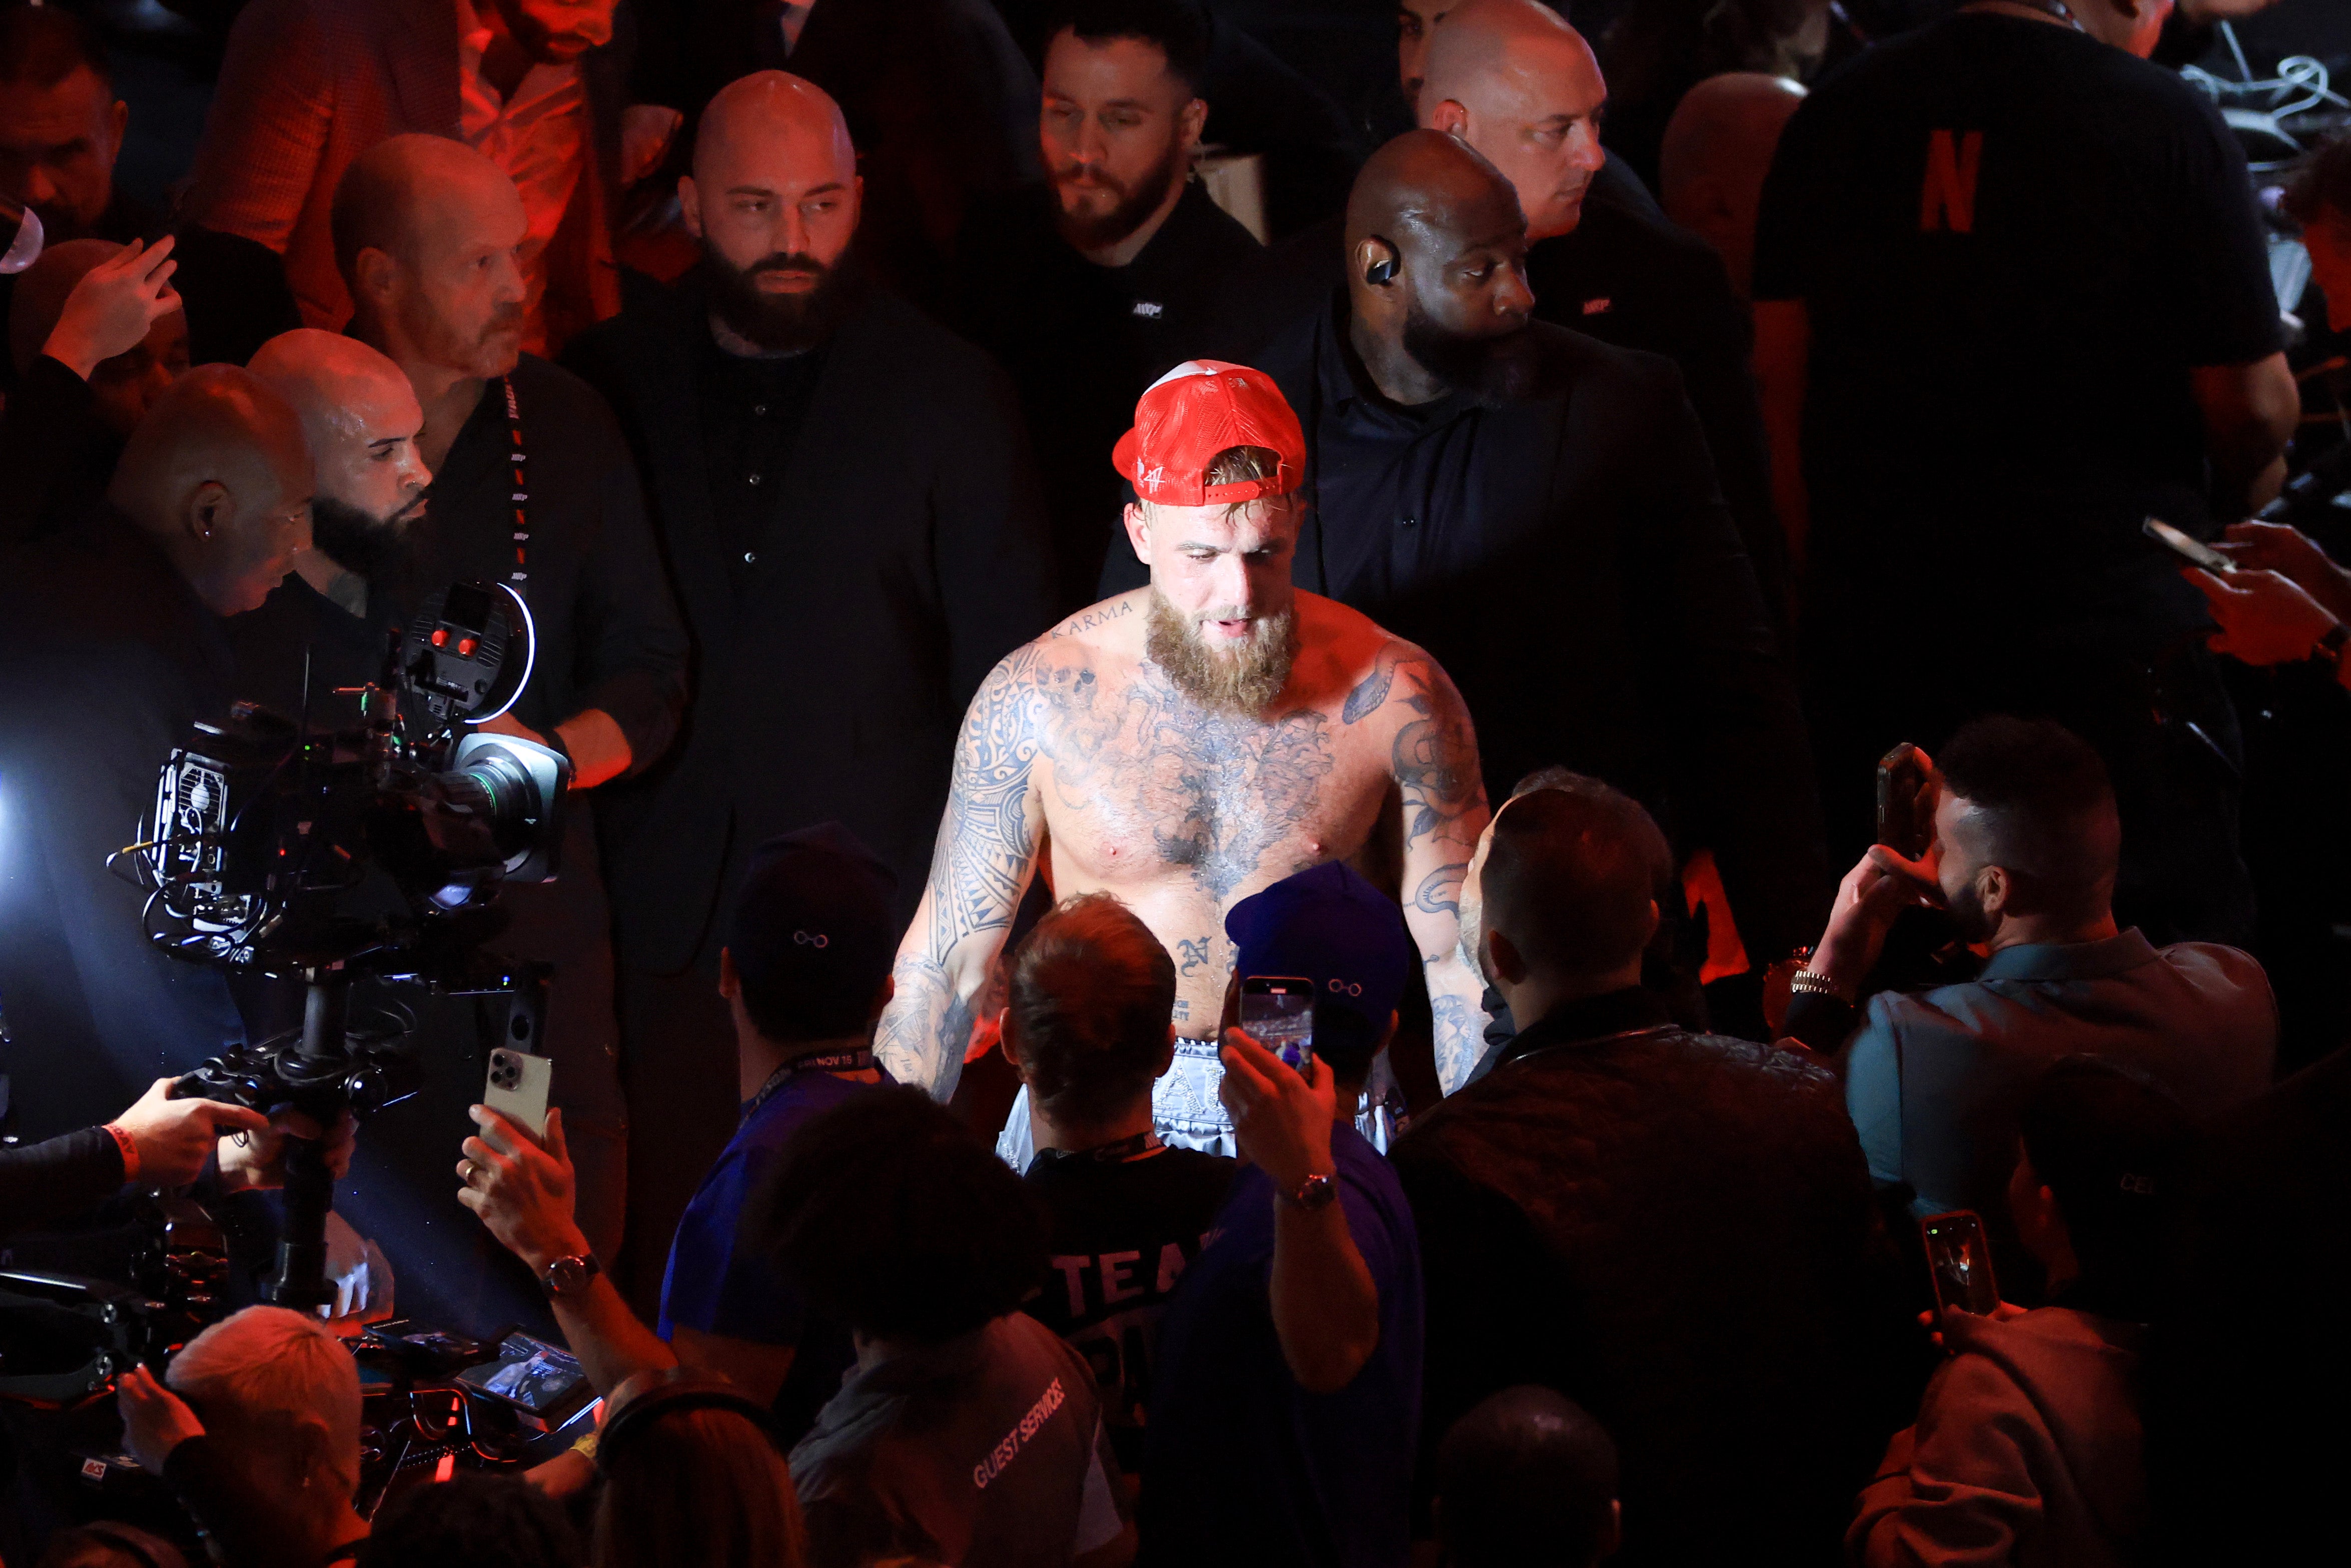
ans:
x=1050 y=528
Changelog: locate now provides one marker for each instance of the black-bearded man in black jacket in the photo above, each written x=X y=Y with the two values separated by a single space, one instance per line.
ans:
x=854 y=532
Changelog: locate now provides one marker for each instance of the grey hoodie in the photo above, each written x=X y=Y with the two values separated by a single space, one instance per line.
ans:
x=2027 y=1451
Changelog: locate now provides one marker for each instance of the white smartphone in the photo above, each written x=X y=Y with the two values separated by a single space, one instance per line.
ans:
x=517 y=1089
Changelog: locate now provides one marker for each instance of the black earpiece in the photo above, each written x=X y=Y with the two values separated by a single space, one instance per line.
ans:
x=1382 y=273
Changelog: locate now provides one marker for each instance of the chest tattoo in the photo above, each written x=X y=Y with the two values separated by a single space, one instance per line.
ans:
x=1212 y=792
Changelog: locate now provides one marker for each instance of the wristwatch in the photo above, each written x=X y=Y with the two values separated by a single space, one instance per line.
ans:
x=1315 y=1192
x=568 y=1276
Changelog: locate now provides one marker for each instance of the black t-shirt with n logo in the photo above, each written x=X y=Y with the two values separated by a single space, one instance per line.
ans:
x=2013 y=243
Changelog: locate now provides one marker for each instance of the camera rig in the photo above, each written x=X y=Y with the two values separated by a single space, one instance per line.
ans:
x=321 y=855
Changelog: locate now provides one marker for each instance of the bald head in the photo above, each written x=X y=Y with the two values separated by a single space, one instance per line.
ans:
x=773 y=200
x=1516 y=82
x=1436 y=272
x=428 y=234
x=1718 y=149
x=361 y=420
x=219 y=475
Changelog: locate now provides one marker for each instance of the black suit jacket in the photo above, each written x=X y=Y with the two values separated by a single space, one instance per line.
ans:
x=905 y=555
x=1592 y=603
x=1676 y=1231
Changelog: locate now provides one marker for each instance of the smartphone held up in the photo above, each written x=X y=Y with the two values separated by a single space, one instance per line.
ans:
x=1278 y=1012
x=1960 y=1260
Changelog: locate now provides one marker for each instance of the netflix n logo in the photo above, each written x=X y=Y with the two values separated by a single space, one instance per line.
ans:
x=1947 y=199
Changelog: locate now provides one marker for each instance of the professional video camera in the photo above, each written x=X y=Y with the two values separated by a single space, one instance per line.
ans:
x=317 y=855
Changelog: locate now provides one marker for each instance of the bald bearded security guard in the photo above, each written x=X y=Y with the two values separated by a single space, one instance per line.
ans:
x=856 y=535
x=115 y=649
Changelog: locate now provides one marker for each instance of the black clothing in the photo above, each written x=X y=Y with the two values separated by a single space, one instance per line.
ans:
x=232 y=288
x=2247 y=1348
x=902 y=558
x=58 y=453
x=2013 y=243
x=109 y=658
x=1122 y=1233
x=1082 y=341
x=1626 y=276
x=1678 y=1232
x=43 y=1183
x=1567 y=557
x=752 y=410
x=902 y=554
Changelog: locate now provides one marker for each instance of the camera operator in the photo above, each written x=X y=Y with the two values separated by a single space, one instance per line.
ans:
x=256 y=1426
x=114 y=648
x=2023 y=857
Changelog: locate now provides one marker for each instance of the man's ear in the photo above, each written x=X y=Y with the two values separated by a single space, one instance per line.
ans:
x=118 y=122
x=1166 y=1054
x=882 y=999
x=1138 y=531
x=374 y=273
x=689 y=205
x=1451 y=118
x=730 y=979
x=1004 y=1044
x=1376 y=261
x=211 y=509
x=1995 y=889
x=1503 y=958
x=1190 y=123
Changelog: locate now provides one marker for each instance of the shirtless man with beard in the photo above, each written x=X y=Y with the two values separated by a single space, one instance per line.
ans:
x=1185 y=744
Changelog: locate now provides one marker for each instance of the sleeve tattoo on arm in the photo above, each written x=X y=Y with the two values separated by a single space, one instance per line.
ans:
x=986 y=854
x=1434 y=760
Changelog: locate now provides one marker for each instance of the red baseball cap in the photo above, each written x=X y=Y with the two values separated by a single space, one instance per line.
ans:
x=1195 y=410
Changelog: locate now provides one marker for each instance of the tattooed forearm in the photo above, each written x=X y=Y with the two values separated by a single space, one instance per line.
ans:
x=986 y=851
x=1460 y=1033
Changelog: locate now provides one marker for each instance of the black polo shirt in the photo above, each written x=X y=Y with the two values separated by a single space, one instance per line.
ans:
x=1081 y=341
x=2013 y=244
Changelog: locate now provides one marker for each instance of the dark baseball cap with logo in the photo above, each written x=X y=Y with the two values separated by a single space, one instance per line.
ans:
x=1331 y=926
x=812 y=934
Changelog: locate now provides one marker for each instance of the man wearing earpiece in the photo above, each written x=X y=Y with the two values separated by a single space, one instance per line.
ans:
x=1539 y=511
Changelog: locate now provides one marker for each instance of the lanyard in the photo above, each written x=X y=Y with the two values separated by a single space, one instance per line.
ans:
x=858 y=1060
x=520 y=576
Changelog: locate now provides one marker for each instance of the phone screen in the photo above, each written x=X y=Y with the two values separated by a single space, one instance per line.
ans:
x=1960 y=1261
x=1278 y=1012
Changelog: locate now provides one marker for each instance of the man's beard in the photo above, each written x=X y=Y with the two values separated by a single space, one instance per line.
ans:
x=488 y=354
x=1133 y=205
x=1244 y=680
x=356 y=540
x=777 y=323
x=1492 y=370
x=1966 y=912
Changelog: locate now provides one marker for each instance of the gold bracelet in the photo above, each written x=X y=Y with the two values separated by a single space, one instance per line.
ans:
x=1817 y=985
